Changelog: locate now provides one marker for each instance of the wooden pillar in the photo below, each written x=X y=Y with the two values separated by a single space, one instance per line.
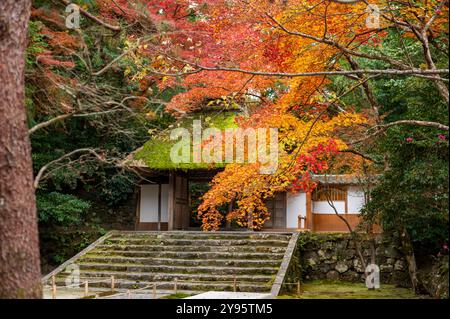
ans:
x=159 y=206
x=309 y=216
x=171 y=204
x=138 y=208
x=346 y=200
x=186 y=210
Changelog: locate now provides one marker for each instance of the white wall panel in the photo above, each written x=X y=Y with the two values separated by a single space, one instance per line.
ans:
x=149 y=203
x=322 y=207
x=355 y=199
x=296 y=205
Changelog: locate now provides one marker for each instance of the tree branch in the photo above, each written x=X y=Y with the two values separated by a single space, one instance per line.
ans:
x=351 y=151
x=307 y=74
x=94 y=18
x=65 y=116
x=49 y=122
x=416 y=123
x=353 y=233
x=382 y=128
x=44 y=168
x=342 y=48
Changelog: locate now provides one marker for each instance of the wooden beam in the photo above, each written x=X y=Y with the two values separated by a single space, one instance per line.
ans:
x=309 y=215
x=138 y=208
x=170 y=204
x=159 y=206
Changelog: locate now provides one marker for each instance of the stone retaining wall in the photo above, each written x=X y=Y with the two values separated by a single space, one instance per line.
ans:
x=333 y=257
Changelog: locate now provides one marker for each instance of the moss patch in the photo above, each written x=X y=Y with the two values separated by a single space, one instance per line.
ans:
x=323 y=289
x=176 y=296
x=156 y=152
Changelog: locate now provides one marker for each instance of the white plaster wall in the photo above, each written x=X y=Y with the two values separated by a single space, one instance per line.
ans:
x=165 y=203
x=149 y=203
x=355 y=199
x=322 y=207
x=296 y=205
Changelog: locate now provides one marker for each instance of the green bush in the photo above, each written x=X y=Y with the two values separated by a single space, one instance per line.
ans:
x=58 y=208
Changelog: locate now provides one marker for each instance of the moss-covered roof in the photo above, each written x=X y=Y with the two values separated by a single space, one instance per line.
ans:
x=155 y=154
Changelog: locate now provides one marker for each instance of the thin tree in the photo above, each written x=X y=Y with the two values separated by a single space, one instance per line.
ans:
x=19 y=245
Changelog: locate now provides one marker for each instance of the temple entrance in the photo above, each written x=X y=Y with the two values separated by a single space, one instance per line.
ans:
x=181 y=214
x=277 y=209
x=197 y=188
x=171 y=203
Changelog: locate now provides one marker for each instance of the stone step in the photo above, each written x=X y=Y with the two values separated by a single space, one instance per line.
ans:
x=188 y=254
x=160 y=277
x=262 y=250
x=191 y=286
x=179 y=262
x=194 y=242
x=198 y=261
x=205 y=235
x=177 y=269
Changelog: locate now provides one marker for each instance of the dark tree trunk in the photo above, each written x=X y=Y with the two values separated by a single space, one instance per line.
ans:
x=19 y=247
x=410 y=259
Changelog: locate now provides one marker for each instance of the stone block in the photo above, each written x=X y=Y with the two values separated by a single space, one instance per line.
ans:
x=341 y=267
x=399 y=265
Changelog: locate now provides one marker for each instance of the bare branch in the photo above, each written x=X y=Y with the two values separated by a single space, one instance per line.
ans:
x=392 y=72
x=435 y=15
x=342 y=48
x=352 y=232
x=110 y=64
x=382 y=128
x=44 y=168
x=417 y=123
x=352 y=151
x=66 y=116
x=94 y=18
x=49 y=122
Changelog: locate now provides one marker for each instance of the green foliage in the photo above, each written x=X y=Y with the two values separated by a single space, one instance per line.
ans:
x=413 y=191
x=36 y=44
x=328 y=289
x=58 y=246
x=117 y=188
x=60 y=208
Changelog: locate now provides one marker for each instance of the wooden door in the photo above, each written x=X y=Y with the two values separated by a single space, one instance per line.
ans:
x=181 y=203
x=277 y=209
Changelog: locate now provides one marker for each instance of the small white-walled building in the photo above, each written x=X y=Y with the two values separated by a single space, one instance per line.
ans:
x=336 y=197
x=166 y=205
x=165 y=200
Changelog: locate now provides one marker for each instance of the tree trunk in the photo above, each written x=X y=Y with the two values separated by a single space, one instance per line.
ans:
x=19 y=246
x=410 y=259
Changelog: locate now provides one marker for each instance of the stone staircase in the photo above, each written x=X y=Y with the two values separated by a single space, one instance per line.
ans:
x=198 y=261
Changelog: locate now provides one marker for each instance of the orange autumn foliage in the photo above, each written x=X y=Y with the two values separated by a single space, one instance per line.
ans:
x=266 y=36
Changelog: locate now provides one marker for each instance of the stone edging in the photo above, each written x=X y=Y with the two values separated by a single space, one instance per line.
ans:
x=80 y=254
x=290 y=249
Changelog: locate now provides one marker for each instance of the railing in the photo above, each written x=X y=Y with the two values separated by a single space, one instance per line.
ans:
x=152 y=286
x=301 y=222
x=84 y=283
x=297 y=285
